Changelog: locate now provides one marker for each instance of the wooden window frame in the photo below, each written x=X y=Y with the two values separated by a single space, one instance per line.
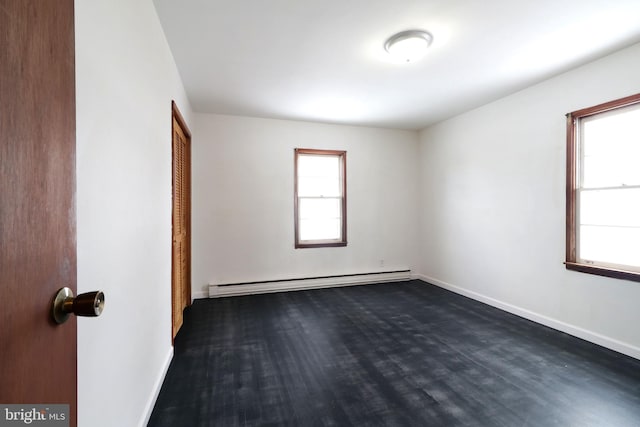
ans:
x=343 y=163
x=573 y=142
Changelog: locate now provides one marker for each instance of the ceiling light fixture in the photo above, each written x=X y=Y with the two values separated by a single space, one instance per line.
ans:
x=408 y=46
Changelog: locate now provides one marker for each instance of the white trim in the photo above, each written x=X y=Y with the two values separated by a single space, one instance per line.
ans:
x=216 y=291
x=146 y=415
x=576 y=331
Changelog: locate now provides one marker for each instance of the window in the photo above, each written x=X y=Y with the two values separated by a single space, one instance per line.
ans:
x=603 y=189
x=320 y=201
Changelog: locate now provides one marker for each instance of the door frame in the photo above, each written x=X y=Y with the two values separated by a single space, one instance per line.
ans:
x=176 y=117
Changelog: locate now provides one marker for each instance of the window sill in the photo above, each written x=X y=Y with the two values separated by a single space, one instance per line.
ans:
x=603 y=271
x=320 y=245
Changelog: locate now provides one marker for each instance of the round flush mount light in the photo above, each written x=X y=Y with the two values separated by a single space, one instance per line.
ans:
x=408 y=46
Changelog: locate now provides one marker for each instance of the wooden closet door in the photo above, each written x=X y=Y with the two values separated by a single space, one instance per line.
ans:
x=181 y=283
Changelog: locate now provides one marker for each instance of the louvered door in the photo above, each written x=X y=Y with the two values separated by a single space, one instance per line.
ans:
x=181 y=283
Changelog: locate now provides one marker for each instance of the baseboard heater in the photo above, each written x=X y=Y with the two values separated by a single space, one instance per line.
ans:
x=247 y=288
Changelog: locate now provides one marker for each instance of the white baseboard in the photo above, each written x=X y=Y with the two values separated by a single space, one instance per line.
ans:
x=199 y=294
x=576 y=331
x=216 y=291
x=146 y=415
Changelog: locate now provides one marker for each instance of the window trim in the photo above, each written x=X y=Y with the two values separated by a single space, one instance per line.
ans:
x=343 y=163
x=573 y=121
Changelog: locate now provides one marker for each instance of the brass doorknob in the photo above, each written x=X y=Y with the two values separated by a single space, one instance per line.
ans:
x=89 y=304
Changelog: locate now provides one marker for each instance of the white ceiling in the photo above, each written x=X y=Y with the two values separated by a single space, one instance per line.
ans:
x=324 y=60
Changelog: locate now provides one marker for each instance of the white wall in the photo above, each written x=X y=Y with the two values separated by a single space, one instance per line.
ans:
x=493 y=206
x=489 y=187
x=243 y=200
x=125 y=79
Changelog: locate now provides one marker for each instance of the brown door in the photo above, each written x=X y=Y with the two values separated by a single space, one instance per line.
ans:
x=181 y=229
x=37 y=201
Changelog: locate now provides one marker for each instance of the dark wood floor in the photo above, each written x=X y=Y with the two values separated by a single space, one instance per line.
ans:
x=401 y=354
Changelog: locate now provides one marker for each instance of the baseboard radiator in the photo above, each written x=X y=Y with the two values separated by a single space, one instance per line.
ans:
x=248 y=288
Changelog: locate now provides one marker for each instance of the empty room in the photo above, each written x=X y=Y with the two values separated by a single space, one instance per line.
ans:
x=321 y=213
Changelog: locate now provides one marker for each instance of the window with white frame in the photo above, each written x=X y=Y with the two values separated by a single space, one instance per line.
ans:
x=603 y=189
x=320 y=199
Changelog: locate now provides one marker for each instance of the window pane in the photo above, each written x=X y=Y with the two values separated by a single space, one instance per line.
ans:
x=611 y=171
x=319 y=229
x=319 y=186
x=319 y=208
x=318 y=166
x=319 y=219
x=620 y=207
x=611 y=148
x=614 y=245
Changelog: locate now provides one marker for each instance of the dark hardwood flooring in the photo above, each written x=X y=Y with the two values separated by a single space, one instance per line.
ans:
x=398 y=354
